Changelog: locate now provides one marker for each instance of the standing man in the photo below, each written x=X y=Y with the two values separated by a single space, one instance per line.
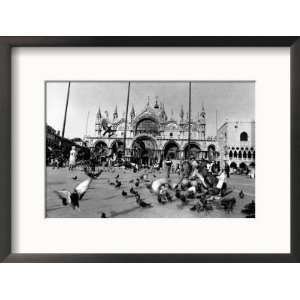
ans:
x=227 y=170
x=72 y=158
x=168 y=163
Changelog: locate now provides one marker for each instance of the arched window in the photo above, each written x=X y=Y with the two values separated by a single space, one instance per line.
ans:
x=212 y=147
x=244 y=137
x=240 y=154
x=147 y=126
x=249 y=155
x=230 y=154
x=233 y=165
x=243 y=166
x=235 y=154
x=253 y=155
x=244 y=154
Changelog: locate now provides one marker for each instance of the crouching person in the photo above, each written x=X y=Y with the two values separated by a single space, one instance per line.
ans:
x=221 y=186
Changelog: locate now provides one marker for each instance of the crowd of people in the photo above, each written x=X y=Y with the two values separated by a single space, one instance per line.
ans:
x=202 y=184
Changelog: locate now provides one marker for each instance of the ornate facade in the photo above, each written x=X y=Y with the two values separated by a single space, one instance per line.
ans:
x=151 y=134
x=236 y=142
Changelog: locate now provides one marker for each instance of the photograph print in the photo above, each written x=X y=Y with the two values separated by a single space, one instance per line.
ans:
x=150 y=149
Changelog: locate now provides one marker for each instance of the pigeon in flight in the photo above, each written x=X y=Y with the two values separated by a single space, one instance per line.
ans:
x=72 y=198
x=155 y=186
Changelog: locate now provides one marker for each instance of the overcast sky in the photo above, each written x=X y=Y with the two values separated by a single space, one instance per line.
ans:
x=231 y=100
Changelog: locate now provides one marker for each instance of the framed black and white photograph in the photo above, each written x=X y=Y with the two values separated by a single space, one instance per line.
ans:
x=150 y=149
x=158 y=149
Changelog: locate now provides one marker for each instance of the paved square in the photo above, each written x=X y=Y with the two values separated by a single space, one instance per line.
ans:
x=103 y=197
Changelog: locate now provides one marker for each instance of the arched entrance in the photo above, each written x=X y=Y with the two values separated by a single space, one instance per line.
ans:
x=101 y=146
x=243 y=166
x=211 y=152
x=233 y=165
x=192 y=150
x=171 y=150
x=100 y=151
x=144 y=150
x=117 y=149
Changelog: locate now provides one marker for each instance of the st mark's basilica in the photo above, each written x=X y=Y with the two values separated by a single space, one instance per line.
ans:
x=152 y=135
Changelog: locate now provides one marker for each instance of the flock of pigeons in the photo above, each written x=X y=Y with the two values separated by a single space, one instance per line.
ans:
x=165 y=192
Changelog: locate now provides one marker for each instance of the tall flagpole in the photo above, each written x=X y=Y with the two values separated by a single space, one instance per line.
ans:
x=66 y=109
x=190 y=101
x=126 y=117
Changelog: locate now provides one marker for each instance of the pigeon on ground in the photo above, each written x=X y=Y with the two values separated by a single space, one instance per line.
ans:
x=124 y=193
x=137 y=182
x=183 y=198
x=177 y=194
x=241 y=194
x=118 y=183
x=93 y=174
x=160 y=200
x=74 y=177
x=197 y=207
x=142 y=203
x=73 y=198
x=249 y=210
x=117 y=176
x=132 y=191
x=228 y=204
x=193 y=208
x=206 y=206
x=103 y=215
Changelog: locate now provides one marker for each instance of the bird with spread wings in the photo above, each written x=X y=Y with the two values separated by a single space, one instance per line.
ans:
x=72 y=198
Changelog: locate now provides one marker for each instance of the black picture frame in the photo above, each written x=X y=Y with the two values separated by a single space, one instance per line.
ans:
x=6 y=45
